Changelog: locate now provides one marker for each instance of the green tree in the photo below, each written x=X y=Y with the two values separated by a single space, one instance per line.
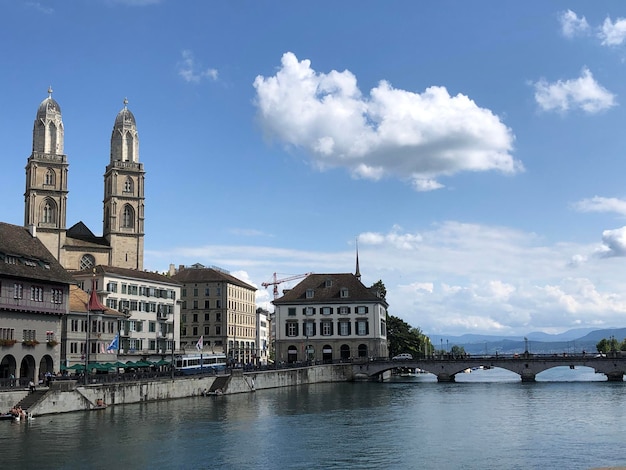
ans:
x=402 y=338
x=380 y=286
x=457 y=350
x=608 y=345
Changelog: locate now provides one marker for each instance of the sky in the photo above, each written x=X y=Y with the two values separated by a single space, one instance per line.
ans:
x=472 y=151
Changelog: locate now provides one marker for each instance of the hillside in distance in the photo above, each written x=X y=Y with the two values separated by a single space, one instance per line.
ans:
x=570 y=342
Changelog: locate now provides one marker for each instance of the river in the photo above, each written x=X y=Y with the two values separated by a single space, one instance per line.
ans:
x=488 y=419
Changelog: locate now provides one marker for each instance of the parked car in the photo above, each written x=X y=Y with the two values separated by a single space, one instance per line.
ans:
x=402 y=357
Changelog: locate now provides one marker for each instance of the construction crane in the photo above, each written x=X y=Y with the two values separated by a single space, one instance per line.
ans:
x=277 y=281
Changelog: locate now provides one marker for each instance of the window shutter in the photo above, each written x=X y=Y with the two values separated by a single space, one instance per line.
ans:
x=367 y=328
x=297 y=329
x=314 y=328
x=349 y=328
x=304 y=311
x=332 y=324
x=367 y=309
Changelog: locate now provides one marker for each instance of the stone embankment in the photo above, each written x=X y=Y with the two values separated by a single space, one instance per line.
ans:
x=67 y=395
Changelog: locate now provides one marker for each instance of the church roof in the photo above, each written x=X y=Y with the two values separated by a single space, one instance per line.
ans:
x=79 y=231
x=49 y=105
x=126 y=272
x=25 y=256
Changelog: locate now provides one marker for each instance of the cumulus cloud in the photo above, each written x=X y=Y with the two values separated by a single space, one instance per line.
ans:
x=613 y=33
x=191 y=72
x=388 y=133
x=580 y=93
x=613 y=243
x=401 y=241
x=602 y=204
x=572 y=25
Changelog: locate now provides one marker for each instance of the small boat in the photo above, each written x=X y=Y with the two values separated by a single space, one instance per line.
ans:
x=9 y=417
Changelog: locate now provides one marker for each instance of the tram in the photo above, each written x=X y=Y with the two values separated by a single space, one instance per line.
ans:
x=200 y=363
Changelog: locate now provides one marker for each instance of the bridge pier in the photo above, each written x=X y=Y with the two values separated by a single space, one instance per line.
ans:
x=445 y=377
x=528 y=376
x=615 y=376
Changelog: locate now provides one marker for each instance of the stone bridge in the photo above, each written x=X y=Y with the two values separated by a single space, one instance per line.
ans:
x=526 y=365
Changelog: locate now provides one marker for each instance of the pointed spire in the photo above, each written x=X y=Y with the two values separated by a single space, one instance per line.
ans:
x=358 y=271
x=94 y=304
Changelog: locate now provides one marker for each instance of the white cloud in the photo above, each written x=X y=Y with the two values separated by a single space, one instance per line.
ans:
x=454 y=278
x=391 y=132
x=40 y=8
x=189 y=70
x=613 y=34
x=572 y=25
x=602 y=204
x=583 y=92
x=613 y=243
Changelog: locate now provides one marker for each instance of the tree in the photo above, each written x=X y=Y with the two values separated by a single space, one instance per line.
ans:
x=402 y=338
x=608 y=345
x=457 y=351
x=380 y=287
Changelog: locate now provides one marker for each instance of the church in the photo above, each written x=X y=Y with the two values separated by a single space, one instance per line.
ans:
x=77 y=248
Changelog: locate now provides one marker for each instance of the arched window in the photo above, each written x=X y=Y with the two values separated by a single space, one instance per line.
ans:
x=128 y=185
x=87 y=262
x=48 y=212
x=128 y=217
x=50 y=177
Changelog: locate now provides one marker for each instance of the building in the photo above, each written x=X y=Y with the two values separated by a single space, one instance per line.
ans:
x=219 y=308
x=86 y=309
x=150 y=305
x=34 y=296
x=46 y=196
x=263 y=329
x=328 y=317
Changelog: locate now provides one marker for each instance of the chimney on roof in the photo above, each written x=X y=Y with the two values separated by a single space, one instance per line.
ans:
x=172 y=269
x=32 y=229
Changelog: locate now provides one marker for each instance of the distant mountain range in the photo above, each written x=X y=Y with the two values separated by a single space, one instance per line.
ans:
x=571 y=341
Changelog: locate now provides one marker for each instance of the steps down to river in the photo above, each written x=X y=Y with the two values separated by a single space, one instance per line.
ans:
x=30 y=399
x=221 y=382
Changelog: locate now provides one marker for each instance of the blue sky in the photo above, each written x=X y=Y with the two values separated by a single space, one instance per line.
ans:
x=474 y=149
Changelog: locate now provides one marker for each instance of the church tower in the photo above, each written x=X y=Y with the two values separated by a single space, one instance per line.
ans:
x=45 y=207
x=124 y=194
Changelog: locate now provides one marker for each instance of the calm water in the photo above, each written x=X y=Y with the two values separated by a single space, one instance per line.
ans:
x=487 y=420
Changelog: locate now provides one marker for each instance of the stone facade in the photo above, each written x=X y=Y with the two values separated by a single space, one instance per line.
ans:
x=47 y=173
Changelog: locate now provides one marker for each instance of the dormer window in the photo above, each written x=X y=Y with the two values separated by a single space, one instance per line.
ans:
x=309 y=293
x=344 y=292
x=328 y=283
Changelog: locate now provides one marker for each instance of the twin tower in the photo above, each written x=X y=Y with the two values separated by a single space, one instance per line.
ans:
x=77 y=248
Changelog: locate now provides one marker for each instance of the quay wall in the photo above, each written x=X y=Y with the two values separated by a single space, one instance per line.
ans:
x=68 y=396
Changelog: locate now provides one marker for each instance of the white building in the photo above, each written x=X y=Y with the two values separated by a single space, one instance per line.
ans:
x=330 y=317
x=150 y=303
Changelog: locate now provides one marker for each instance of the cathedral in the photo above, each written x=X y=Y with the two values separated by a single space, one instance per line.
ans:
x=45 y=208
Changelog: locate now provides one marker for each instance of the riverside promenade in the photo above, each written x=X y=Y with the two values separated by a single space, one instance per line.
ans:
x=63 y=396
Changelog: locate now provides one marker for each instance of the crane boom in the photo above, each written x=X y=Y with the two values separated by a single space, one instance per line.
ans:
x=277 y=281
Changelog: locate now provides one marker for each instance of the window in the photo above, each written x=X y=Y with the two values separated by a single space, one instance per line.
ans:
x=57 y=296
x=132 y=289
x=383 y=328
x=362 y=327
x=112 y=287
x=309 y=293
x=218 y=331
x=195 y=305
x=29 y=335
x=49 y=178
x=219 y=291
x=48 y=213
x=195 y=331
x=206 y=317
x=195 y=292
x=218 y=316
x=218 y=304
x=207 y=304
x=206 y=330
x=361 y=309
x=124 y=288
x=292 y=312
x=328 y=283
x=309 y=328
x=87 y=262
x=207 y=291
x=128 y=217
x=327 y=328
x=344 y=328
x=344 y=310
x=36 y=294
x=183 y=292
x=128 y=185
x=18 y=290
x=292 y=329
x=327 y=310
x=195 y=318
x=152 y=327
x=308 y=311
x=344 y=292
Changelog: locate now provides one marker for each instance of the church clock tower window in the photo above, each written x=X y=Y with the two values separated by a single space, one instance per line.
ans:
x=87 y=262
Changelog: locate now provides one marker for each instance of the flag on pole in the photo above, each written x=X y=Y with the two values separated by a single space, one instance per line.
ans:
x=200 y=344
x=114 y=346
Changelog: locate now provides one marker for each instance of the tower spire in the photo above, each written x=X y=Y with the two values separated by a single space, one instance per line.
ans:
x=358 y=271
